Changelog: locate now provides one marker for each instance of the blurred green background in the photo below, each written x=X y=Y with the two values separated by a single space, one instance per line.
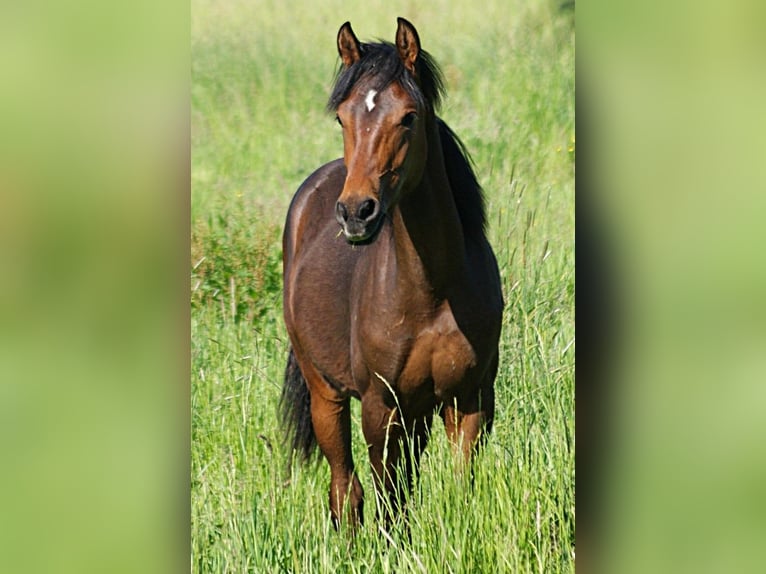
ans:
x=675 y=167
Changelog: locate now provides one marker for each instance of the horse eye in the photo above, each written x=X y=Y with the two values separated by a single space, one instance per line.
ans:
x=409 y=119
x=337 y=119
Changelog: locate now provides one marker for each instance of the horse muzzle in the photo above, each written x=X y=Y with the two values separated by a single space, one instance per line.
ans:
x=359 y=220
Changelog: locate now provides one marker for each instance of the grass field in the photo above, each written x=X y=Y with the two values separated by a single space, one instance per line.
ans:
x=261 y=73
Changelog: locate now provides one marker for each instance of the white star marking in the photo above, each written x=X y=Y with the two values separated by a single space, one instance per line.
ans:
x=369 y=101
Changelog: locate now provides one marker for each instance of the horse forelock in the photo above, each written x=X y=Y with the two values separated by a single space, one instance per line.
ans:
x=380 y=66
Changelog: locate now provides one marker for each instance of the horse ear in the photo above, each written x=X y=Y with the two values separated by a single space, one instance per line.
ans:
x=348 y=45
x=407 y=43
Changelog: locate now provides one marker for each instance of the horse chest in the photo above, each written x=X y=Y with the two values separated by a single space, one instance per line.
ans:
x=408 y=356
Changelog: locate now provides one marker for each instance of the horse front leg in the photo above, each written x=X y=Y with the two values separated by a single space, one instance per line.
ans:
x=394 y=445
x=331 y=419
x=383 y=431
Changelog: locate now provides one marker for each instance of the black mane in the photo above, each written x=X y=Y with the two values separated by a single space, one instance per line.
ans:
x=381 y=65
x=466 y=191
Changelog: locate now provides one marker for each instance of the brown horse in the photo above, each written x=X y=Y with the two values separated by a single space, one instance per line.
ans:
x=401 y=306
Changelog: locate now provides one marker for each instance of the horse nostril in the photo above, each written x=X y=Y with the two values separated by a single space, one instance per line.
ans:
x=341 y=212
x=367 y=209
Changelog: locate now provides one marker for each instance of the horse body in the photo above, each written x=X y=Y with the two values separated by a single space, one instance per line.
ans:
x=402 y=307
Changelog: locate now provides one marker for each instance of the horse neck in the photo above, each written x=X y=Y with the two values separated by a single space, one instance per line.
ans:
x=428 y=235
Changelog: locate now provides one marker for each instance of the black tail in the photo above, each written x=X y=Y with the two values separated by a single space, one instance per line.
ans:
x=295 y=408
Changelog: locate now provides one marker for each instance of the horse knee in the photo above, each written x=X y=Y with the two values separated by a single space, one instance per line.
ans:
x=469 y=421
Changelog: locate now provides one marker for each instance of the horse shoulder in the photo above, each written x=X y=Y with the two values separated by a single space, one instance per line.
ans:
x=316 y=284
x=312 y=205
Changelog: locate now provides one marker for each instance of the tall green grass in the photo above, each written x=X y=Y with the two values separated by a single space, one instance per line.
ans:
x=261 y=73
